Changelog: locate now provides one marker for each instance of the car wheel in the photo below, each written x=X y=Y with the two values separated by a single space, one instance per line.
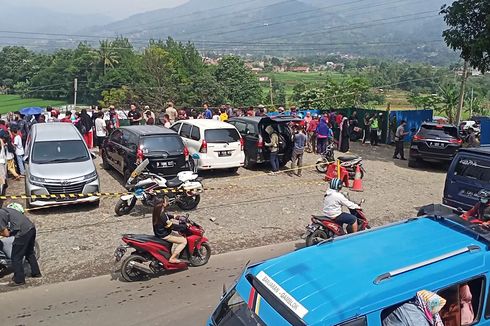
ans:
x=247 y=164
x=105 y=164
x=126 y=175
x=413 y=163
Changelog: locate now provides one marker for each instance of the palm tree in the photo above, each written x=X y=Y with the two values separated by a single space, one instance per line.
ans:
x=107 y=55
x=449 y=99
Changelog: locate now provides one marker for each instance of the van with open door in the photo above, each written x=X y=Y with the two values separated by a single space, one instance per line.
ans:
x=252 y=129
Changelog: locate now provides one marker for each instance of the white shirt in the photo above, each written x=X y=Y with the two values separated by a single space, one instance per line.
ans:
x=333 y=202
x=216 y=117
x=19 y=149
x=100 y=129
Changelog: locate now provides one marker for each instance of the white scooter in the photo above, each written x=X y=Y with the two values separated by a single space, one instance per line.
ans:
x=183 y=190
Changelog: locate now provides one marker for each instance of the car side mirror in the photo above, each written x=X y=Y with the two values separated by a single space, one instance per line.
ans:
x=93 y=156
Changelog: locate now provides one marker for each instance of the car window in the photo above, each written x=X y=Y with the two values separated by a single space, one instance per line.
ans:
x=438 y=131
x=176 y=127
x=464 y=302
x=241 y=127
x=185 y=131
x=65 y=151
x=221 y=135
x=161 y=143
x=195 y=133
x=251 y=129
x=117 y=136
x=130 y=140
x=473 y=168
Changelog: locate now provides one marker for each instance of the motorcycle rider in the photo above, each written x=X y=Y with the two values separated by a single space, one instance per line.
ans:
x=480 y=213
x=332 y=206
x=167 y=228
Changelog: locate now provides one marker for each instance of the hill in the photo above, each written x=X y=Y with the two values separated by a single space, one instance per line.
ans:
x=400 y=28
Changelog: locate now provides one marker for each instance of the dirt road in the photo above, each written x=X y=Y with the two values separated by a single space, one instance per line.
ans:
x=251 y=209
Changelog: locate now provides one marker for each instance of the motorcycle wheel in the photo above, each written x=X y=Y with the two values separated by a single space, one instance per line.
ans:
x=123 y=207
x=131 y=274
x=321 y=166
x=317 y=236
x=188 y=203
x=201 y=256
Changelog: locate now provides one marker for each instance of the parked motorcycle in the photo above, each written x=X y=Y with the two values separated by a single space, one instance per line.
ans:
x=6 y=262
x=322 y=228
x=185 y=189
x=325 y=159
x=152 y=254
x=350 y=163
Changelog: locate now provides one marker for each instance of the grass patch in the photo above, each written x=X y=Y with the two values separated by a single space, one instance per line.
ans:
x=12 y=103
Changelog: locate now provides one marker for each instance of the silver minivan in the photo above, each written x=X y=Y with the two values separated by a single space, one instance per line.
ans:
x=58 y=162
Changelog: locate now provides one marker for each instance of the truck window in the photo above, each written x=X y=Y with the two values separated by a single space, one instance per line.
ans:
x=473 y=168
x=464 y=302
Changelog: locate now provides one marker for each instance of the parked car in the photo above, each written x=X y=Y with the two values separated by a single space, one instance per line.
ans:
x=212 y=144
x=252 y=129
x=126 y=147
x=434 y=143
x=59 y=162
x=362 y=279
x=468 y=174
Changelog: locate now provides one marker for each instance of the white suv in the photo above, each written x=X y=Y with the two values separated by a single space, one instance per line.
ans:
x=212 y=144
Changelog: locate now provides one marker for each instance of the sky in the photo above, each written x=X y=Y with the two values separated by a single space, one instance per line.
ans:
x=116 y=9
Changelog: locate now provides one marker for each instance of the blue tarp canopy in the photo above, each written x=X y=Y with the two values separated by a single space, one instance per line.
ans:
x=31 y=111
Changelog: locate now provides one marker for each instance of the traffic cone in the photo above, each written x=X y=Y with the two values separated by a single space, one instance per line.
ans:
x=357 y=186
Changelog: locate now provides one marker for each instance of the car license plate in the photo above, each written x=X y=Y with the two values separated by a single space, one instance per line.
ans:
x=436 y=144
x=224 y=153
x=165 y=164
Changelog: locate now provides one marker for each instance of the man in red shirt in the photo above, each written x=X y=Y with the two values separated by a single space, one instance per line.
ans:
x=311 y=134
x=67 y=117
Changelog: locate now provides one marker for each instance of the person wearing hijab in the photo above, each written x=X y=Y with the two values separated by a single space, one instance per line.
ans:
x=344 y=144
x=422 y=311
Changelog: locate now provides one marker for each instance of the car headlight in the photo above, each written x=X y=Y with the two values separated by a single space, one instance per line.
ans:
x=91 y=176
x=37 y=180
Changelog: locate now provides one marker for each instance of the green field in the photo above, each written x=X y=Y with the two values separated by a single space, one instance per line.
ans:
x=11 y=103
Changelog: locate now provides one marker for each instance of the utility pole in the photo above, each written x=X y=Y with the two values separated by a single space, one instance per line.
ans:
x=272 y=95
x=471 y=103
x=461 y=93
x=75 y=94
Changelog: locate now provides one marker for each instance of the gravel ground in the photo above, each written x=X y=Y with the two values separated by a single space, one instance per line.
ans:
x=251 y=209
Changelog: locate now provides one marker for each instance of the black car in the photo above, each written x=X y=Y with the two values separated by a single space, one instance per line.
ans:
x=434 y=143
x=126 y=147
x=252 y=129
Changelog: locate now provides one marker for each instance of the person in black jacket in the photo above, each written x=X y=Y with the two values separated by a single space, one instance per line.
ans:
x=85 y=126
x=165 y=227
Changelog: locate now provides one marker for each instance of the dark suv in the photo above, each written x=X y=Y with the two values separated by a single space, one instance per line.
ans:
x=434 y=143
x=126 y=147
x=252 y=129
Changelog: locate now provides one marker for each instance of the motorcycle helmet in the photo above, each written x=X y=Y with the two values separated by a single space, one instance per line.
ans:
x=18 y=207
x=336 y=184
x=484 y=196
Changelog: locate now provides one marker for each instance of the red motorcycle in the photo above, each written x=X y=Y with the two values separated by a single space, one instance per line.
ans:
x=322 y=228
x=151 y=253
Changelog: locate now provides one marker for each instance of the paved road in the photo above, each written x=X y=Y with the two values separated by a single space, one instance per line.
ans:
x=184 y=298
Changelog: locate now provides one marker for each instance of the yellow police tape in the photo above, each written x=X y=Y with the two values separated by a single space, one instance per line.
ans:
x=159 y=191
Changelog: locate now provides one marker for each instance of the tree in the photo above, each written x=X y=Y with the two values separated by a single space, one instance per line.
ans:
x=241 y=87
x=448 y=100
x=298 y=89
x=468 y=32
x=108 y=57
